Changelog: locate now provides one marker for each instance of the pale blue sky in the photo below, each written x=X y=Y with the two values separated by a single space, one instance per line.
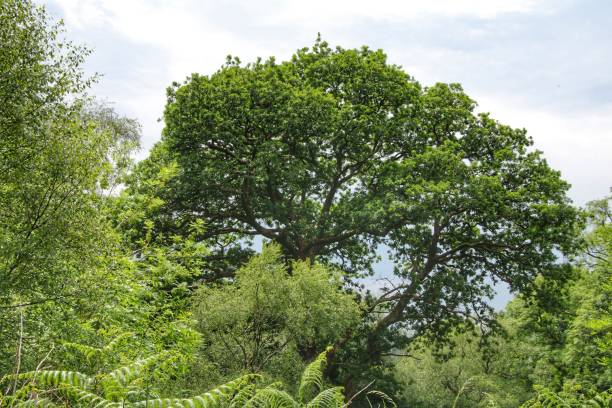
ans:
x=542 y=65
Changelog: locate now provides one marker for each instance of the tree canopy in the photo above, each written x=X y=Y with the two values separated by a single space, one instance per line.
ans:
x=336 y=153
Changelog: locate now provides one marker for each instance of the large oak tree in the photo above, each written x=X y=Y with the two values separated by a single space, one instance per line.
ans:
x=337 y=153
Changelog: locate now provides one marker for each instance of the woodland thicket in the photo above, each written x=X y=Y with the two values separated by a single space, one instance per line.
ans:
x=228 y=268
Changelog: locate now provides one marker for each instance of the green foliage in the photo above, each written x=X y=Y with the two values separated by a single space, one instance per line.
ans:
x=560 y=345
x=588 y=348
x=473 y=374
x=312 y=377
x=336 y=152
x=56 y=152
x=331 y=397
x=577 y=331
x=60 y=153
x=140 y=378
x=568 y=398
x=128 y=385
x=269 y=315
x=94 y=355
x=120 y=388
x=326 y=157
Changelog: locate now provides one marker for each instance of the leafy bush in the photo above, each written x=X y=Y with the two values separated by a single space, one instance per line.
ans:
x=570 y=396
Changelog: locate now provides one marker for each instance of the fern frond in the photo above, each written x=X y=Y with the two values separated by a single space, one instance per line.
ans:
x=386 y=400
x=126 y=374
x=90 y=352
x=207 y=400
x=276 y=384
x=312 y=377
x=329 y=398
x=547 y=398
x=172 y=402
x=38 y=402
x=217 y=397
x=271 y=398
x=235 y=386
x=54 y=378
x=603 y=400
x=92 y=400
x=87 y=351
x=116 y=341
x=243 y=396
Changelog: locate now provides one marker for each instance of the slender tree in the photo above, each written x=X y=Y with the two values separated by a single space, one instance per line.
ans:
x=58 y=153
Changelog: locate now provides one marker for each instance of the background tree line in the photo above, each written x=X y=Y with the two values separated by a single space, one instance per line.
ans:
x=326 y=159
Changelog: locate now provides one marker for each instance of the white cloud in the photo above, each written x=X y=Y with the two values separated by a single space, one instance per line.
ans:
x=345 y=11
x=182 y=29
x=185 y=27
x=97 y=11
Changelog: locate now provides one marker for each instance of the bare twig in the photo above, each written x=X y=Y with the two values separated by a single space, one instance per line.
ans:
x=42 y=362
x=35 y=302
x=34 y=395
x=357 y=393
x=401 y=355
x=19 y=345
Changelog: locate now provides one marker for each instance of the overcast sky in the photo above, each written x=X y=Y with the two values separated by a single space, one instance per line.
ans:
x=541 y=65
